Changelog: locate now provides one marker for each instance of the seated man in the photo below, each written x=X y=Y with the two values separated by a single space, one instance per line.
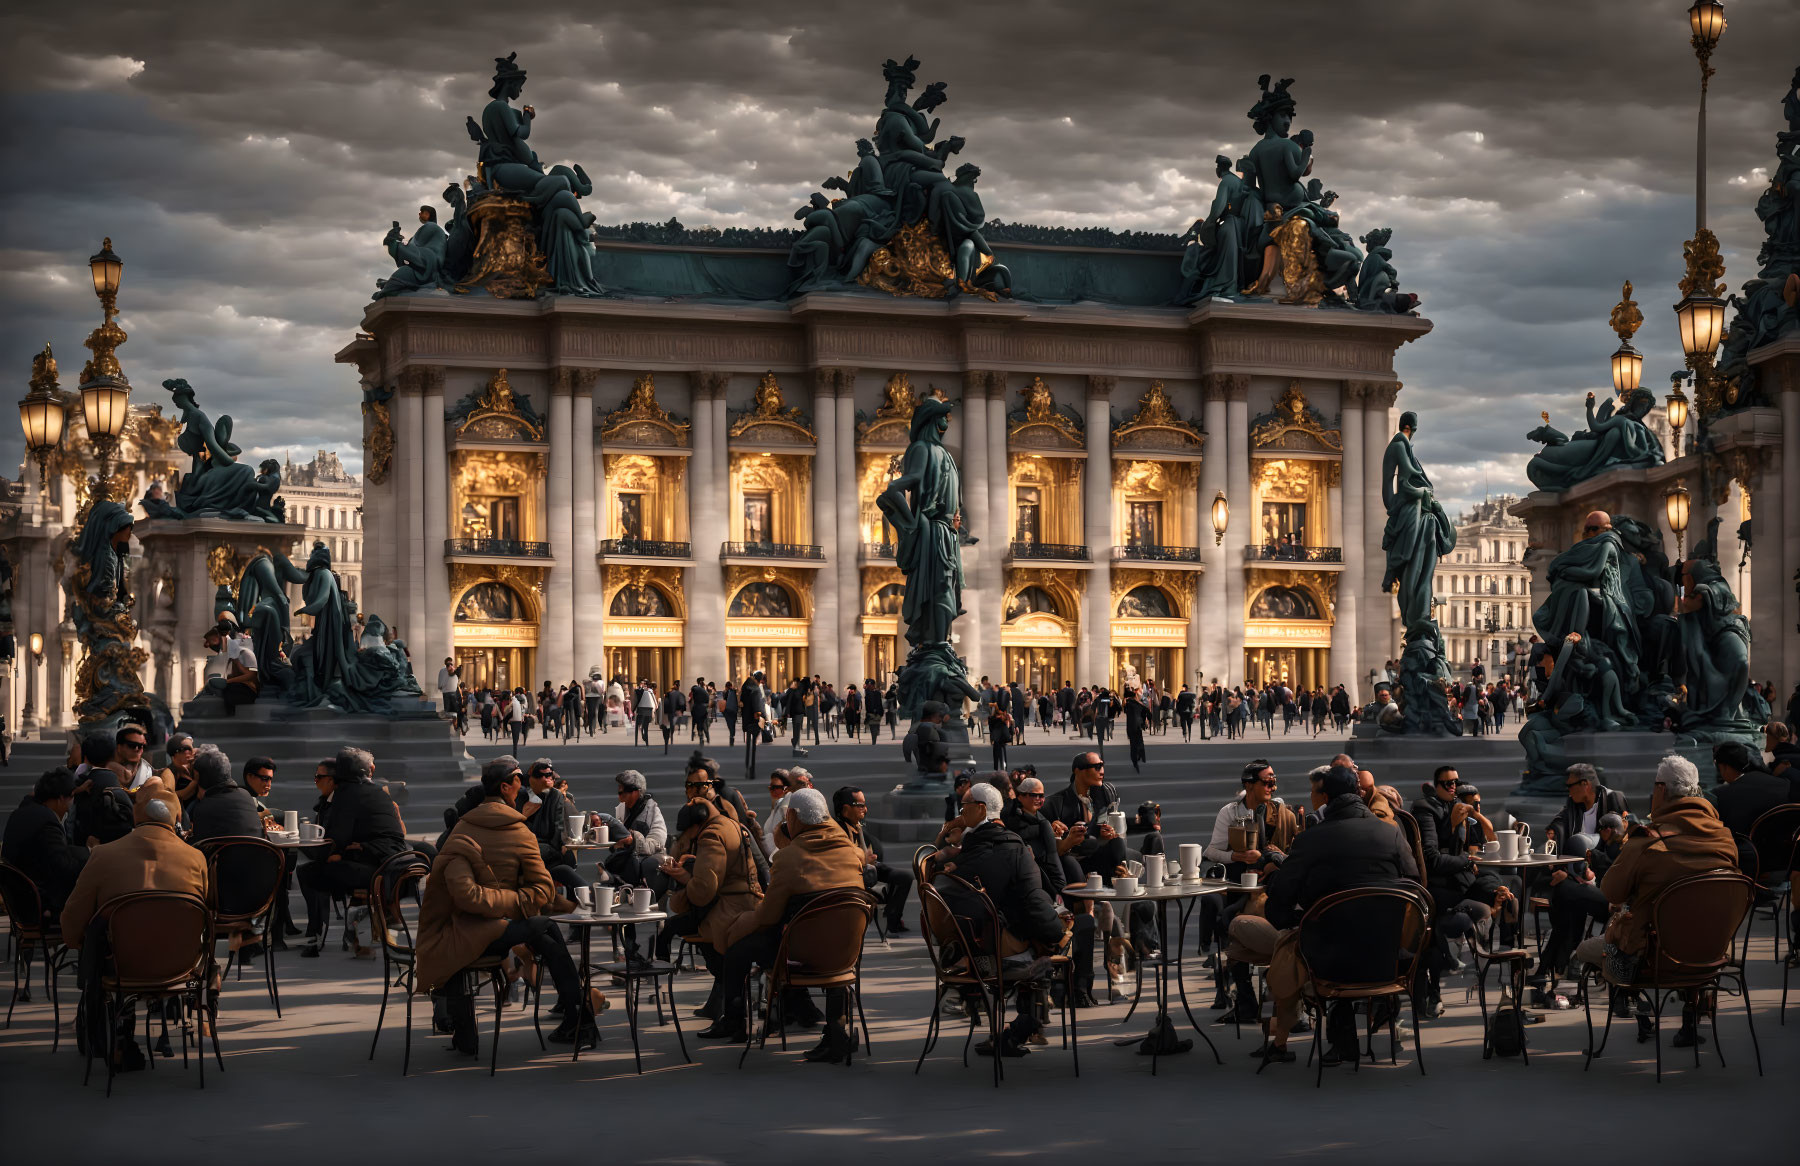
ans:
x=1449 y=832
x=1087 y=845
x=547 y=817
x=1588 y=800
x=103 y=806
x=636 y=857
x=1349 y=848
x=715 y=883
x=1024 y=816
x=850 y=806
x=1745 y=791
x=489 y=893
x=363 y=827
x=259 y=779
x=1575 y=898
x=1251 y=832
x=37 y=844
x=152 y=857
x=221 y=806
x=998 y=861
x=817 y=857
x=1685 y=838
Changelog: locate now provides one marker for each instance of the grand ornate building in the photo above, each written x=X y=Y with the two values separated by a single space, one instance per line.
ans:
x=656 y=452
x=1486 y=589
x=327 y=499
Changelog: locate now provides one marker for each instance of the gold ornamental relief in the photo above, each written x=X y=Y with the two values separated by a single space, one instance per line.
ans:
x=223 y=566
x=1287 y=480
x=770 y=418
x=378 y=442
x=798 y=583
x=665 y=580
x=892 y=422
x=1625 y=319
x=642 y=421
x=497 y=414
x=507 y=263
x=1293 y=424
x=1299 y=267
x=1705 y=269
x=1156 y=425
x=915 y=262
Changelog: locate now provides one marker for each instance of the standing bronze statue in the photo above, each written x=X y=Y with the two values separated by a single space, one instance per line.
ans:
x=1417 y=535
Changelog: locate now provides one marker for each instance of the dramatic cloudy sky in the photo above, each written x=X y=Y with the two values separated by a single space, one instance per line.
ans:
x=247 y=157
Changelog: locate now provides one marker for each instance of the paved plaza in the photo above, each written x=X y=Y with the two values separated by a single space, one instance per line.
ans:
x=302 y=1085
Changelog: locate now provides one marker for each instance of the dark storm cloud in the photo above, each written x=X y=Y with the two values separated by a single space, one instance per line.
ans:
x=247 y=158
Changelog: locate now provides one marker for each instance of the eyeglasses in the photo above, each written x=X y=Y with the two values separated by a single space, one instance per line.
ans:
x=1095 y=765
x=1576 y=784
x=782 y=785
x=697 y=784
x=264 y=776
x=856 y=805
x=131 y=744
x=1445 y=784
x=1031 y=793
x=967 y=804
x=1266 y=782
x=1591 y=529
x=515 y=775
x=177 y=749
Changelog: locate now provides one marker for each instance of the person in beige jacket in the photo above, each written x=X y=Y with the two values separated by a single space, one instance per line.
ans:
x=714 y=879
x=488 y=893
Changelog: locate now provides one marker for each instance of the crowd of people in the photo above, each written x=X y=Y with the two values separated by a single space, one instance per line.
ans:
x=109 y=823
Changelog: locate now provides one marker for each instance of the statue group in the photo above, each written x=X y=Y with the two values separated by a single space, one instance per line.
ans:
x=1418 y=533
x=1616 y=437
x=1623 y=648
x=216 y=485
x=898 y=185
x=1269 y=220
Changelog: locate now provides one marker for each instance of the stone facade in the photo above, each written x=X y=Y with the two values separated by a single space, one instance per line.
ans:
x=1486 y=589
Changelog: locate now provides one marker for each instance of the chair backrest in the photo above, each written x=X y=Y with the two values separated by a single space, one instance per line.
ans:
x=1409 y=826
x=245 y=874
x=825 y=937
x=24 y=903
x=391 y=881
x=1694 y=921
x=158 y=940
x=1772 y=835
x=1365 y=937
x=942 y=926
x=919 y=857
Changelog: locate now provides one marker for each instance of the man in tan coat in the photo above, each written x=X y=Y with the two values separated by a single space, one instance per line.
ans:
x=714 y=880
x=152 y=857
x=1684 y=837
x=489 y=893
x=818 y=857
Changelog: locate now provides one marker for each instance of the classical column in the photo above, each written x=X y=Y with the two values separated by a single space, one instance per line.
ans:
x=822 y=636
x=1784 y=539
x=1377 y=632
x=1244 y=521
x=984 y=520
x=1212 y=613
x=437 y=628
x=556 y=634
x=704 y=638
x=721 y=451
x=589 y=599
x=1346 y=649
x=409 y=459
x=992 y=579
x=1097 y=607
x=849 y=659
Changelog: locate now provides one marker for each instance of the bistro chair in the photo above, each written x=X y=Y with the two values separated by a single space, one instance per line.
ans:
x=159 y=946
x=821 y=947
x=245 y=875
x=1772 y=836
x=1693 y=925
x=31 y=926
x=1365 y=943
x=404 y=872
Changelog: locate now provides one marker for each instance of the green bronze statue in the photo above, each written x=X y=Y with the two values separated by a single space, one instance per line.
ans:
x=217 y=484
x=1418 y=533
x=419 y=261
x=924 y=504
x=1614 y=438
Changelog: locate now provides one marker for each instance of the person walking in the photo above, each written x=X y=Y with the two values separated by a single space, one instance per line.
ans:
x=872 y=709
x=645 y=705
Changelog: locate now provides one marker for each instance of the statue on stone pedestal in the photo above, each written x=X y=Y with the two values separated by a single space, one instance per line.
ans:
x=157 y=505
x=1612 y=439
x=100 y=602
x=1715 y=650
x=1213 y=266
x=336 y=666
x=419 y=261
x=1418 y=533
x=218 y=485
x=924 y=504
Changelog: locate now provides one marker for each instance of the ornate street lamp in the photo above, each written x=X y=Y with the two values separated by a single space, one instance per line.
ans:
x=41 y=413
x=1678 y=409
x=105 y=392
x=1675 y=507
x=1221 y=517
x=1707 y=20
x=1701 y=318
x=1627 y=362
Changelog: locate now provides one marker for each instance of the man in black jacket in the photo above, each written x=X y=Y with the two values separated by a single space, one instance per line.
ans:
x=850 y=806
x=872 y=709
x=103 y=810
x=36 y=843
x=700 y=711
x=1086 y=844
x=1024 y=816
x=1588 y=801
x=752 y=708
x=1574 y=899
x=221 y=807
x=548 y=821
x=1745 y=791
x=363 y=827
x=1184 y=712
x=1349 y=848
x=1137 y=716
x=1464 y=895
x=997 y=861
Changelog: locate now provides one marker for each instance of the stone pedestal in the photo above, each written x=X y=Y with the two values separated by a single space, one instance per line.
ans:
x=907 y=817
x=416 y=748
x=185 y=561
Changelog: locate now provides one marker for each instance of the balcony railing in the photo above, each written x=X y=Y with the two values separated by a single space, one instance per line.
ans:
x=1037 y=550
x=1153 y=554
x=517 y=548
x=879 y=550
x=648 y=548
x=773 y=551
x=1281 y=554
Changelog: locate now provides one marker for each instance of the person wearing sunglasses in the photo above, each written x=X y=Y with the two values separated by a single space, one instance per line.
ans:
x=1251 y=833
x=1086 y=844
x=130 y=759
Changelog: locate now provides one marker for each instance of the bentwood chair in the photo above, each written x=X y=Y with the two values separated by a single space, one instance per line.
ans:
x=1365 y=943
x=159 y=946
x=31 y=927
x=1692 y=937
x=402 y=873
x=821 y=947
x=245 y=875
x=1772 y=837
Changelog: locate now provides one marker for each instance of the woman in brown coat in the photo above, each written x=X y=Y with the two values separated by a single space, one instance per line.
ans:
x=715 y=884
x=488 y=893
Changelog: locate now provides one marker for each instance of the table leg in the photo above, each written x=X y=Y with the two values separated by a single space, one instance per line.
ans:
x=675 y=1011
x=587 y=983
x=631 y=1017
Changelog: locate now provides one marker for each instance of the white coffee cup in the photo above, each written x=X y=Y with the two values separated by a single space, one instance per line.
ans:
x=641 y=899
x=1491 y=849
x=601 y=835
x=1095 y=882
x=1191 y=853
x=1509 y=845
x=1124 y=886
x=584 y=898
x=1248 y=879
x=290 y=822
x=1549 y=847
x=603 y=899
x=1154 y=865
x=1116 y=819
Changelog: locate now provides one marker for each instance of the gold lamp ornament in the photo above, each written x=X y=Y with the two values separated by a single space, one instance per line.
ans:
x=1675 y=508
x=1678 y=410
x=105 y=391
x=1221 y=517
x=1627 y=362
x=41 y=413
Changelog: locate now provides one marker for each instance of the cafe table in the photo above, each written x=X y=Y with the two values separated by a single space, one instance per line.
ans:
x=1175 y=891
x=1530 y=861
x=582 y=924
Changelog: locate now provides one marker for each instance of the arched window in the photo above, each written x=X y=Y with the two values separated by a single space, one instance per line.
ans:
x=1145 y=603
x=1028 y=600
x=643 y=602
x=1284 y=603
x=490 y=603
x=762 y=601
x=887 y=601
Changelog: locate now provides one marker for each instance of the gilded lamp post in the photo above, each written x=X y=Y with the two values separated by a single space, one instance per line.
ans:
x=105 y=392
